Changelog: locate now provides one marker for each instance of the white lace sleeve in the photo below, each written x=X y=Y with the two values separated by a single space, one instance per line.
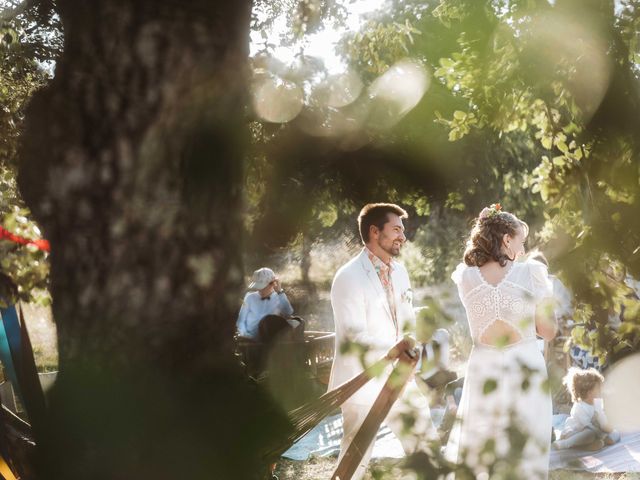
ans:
x=541 y=284
x=456 y=276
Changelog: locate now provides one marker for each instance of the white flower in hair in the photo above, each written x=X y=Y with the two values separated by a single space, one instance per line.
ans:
x=490 y=211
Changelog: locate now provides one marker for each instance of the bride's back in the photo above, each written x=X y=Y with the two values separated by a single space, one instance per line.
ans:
x=501 y=301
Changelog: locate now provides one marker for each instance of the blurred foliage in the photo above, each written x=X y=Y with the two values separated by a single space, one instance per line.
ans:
x=30 y=40
x=565 y=76
x=377 y=46
x=530 y=103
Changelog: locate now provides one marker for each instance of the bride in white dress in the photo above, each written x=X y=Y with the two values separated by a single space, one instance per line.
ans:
x=503 y=425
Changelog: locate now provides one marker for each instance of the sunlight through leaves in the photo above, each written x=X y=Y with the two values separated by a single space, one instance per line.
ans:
x=277 y=101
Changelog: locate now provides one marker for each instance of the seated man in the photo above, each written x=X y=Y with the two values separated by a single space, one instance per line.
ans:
x=269 y=299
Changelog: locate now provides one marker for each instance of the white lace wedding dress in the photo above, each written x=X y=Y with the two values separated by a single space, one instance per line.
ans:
x=505 y=398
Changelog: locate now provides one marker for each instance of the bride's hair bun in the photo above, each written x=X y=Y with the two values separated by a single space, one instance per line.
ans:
x=485 y=239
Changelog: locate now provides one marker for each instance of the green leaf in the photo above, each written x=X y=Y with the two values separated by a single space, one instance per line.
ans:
x=489 y=386
x=328 y=216
x=440 y=72
x=562 y=146
x=446 y=62
x=459 y=115
x=577 y=153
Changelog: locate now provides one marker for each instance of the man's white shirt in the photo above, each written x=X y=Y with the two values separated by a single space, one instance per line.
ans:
x=254 y=308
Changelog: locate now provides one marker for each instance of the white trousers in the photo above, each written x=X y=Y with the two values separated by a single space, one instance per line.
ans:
x=414 y=436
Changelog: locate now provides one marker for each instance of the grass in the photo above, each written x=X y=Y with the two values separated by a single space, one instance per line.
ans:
x=321 y=468
x=42 y=333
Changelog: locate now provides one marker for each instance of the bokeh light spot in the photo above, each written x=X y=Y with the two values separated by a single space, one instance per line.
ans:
x=397 y=91
x=343 y=89
x=576 y=51
x=276 y=100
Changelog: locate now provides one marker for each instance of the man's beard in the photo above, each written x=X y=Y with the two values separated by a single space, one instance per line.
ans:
x=392 y=250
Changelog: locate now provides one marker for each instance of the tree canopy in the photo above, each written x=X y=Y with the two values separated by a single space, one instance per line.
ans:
x=31 y=39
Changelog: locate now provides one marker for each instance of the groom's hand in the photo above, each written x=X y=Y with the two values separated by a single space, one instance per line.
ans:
x=404 y=348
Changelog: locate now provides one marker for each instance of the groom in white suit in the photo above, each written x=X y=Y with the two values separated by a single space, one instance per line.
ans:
x=371 y=298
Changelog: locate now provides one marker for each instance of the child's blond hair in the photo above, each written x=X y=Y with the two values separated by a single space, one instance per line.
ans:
x=579 y=382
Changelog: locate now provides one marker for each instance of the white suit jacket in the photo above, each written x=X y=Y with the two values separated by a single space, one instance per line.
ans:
x=362 y=315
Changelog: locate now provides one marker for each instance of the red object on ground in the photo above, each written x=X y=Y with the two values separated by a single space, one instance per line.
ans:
x=41 y=243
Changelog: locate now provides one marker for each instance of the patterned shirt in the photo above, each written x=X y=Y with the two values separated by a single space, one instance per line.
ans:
x=384 y=272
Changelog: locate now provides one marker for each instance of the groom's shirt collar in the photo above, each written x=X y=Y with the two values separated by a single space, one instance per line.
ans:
x=382 y=269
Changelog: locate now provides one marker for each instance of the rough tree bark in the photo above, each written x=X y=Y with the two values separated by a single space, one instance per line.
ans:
x=132 y=163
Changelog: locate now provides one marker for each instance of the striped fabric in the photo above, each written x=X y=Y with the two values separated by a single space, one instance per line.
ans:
x=624 y=456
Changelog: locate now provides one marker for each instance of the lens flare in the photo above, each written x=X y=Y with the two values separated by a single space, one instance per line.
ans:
x=276 y=100
x=621 y=394
x=573 y=49
x=396 y=92
x=343 y=89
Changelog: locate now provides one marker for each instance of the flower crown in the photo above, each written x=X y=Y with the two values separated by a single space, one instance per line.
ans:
x=490 y=211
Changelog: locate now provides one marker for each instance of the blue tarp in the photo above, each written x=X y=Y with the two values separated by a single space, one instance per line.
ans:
x=10 y=342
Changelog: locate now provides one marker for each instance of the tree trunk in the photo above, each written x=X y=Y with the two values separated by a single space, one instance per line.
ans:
x=305 y=261
x=132 y=163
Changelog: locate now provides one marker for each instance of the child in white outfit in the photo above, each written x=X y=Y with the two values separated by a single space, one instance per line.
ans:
x=587 y=427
